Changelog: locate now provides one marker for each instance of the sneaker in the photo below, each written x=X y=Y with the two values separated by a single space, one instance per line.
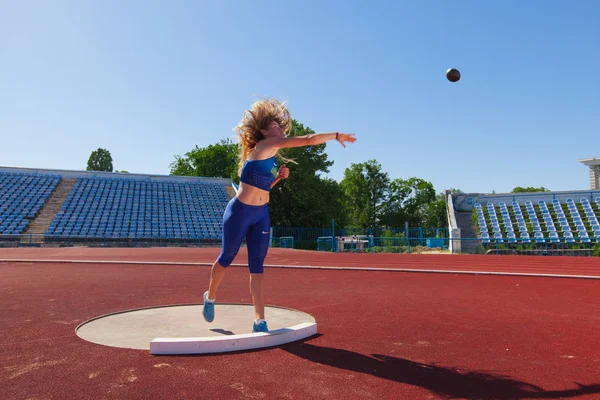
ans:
x=208 y=310
x=260 y=326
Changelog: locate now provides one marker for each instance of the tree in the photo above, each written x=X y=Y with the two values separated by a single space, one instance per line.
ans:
x=436 y=215
x=216 y=160
x=420 y=194
x=100 y=160
x=366 y=188
x=306 y=199
x=414 y=201
x=528 y=189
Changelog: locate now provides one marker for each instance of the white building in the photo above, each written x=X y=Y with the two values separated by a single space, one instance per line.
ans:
x=594 y=164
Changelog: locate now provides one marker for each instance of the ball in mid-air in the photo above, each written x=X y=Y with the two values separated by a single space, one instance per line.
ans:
x=453 y=75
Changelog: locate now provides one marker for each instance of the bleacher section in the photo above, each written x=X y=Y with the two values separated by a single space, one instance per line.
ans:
x=117 y=208
x=22 y=196
x=571 y=222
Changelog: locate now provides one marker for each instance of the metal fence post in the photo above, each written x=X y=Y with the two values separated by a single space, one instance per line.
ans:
x=333 y=249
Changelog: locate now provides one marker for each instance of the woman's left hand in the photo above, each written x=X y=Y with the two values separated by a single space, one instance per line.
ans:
x=284 y=172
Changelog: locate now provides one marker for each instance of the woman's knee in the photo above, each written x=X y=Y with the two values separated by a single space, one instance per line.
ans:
x=256 y=264
x=225 y=259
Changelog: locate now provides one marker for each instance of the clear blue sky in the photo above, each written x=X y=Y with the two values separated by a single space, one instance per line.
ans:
x=151 y=79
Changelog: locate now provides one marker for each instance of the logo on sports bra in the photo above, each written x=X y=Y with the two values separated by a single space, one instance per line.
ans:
x=274 y=171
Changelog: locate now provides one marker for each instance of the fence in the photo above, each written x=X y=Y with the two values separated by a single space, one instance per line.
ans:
x=372 y=244
x=541 y=246
x=284 y=242
x=33 y=240
x=310 y=238
x=354 y=243
x=304 y=238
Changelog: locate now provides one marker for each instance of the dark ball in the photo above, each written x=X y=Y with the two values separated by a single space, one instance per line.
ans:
x=453 y=75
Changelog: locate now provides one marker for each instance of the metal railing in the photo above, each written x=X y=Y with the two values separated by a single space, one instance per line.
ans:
x=355 y=243
x=33 y=240
x=539 y=246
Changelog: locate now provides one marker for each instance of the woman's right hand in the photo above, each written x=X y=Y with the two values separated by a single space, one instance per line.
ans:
x=345 y=137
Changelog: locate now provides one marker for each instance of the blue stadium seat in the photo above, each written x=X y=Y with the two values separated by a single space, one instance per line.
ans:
x=22 y=195
x=569 y=238
x=131 y=208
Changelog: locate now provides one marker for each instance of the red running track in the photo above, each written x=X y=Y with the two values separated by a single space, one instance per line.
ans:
x=578 y=266
x=382 y=335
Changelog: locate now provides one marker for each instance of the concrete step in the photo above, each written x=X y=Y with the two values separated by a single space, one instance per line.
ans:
x=33 y=239
x=230 y=191
x=467 y=231
x=42 y=221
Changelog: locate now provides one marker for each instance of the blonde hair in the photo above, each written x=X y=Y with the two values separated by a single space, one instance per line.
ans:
x=258 y=117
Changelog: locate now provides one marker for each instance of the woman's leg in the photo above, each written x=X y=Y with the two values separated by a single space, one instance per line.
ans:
x=216 y=276
x=258 y=295
x=235 y=223
x=258 y=238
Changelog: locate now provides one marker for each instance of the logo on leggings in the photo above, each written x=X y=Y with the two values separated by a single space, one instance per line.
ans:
x=265 y=233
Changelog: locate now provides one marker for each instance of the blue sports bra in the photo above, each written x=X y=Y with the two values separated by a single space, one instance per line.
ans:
x=259 y=173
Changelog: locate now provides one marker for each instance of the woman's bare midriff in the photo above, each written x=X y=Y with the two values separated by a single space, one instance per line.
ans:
x=252 y=195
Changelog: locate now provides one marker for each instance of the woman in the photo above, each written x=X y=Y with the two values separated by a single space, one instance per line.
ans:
x=262 y=133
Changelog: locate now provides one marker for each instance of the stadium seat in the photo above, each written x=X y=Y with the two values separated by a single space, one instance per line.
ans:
x=22 y=196
x=569 y=237
x=539 y=237
x=101 y=207
x=583 y=237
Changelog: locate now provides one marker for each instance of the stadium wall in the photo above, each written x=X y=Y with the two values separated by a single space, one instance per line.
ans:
x=453 y=229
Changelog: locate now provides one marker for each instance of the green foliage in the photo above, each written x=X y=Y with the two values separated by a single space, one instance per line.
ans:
x=474 y=218
x=306 y=199
x=386 y=233
x=436 y=214
x=373 y=199
x=216 y=161
x=389 y=249
x=100 y=160
x=366 y=188
x=596 y=250
x=414 y=201
x=529 y=189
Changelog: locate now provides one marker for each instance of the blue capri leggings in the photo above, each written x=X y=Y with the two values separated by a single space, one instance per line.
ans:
x=252 y=222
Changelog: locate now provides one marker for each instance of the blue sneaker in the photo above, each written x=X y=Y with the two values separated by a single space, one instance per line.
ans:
x=208 y=309
x=260 y=326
